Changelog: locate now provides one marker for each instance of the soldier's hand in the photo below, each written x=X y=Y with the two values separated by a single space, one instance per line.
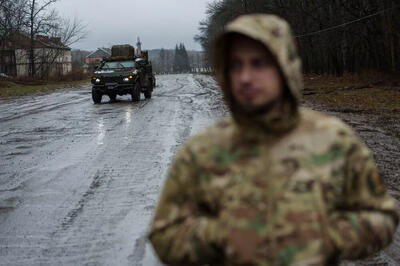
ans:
x=245 y=233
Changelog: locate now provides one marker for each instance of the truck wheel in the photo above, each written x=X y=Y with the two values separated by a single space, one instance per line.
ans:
x=147 y=94
x=96 y=96
x=136 y=93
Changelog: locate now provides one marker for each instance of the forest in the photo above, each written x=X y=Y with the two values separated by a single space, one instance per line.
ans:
x=334 y=36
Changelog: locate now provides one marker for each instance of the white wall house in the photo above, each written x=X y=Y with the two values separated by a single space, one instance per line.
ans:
x=51 y=57
x=48 y=62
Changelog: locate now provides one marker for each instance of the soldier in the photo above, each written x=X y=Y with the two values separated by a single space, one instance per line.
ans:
x=275 y=184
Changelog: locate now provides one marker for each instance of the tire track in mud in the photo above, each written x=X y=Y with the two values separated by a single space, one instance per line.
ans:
x=100 y=177
x=40 y=109
x=139 y=252
x=170 y=93
x=112 y=196
x=98 y=180
x=182 y=131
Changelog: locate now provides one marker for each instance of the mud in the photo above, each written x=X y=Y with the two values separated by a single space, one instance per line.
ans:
x=79 y=182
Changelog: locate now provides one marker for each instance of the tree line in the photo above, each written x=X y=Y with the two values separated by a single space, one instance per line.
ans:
x=178 y=60
x=34 y=18
x=181 y=61
x=334 y=36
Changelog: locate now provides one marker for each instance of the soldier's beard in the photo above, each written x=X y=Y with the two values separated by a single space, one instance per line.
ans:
x=266 y=108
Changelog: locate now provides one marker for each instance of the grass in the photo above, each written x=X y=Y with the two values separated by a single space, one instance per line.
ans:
x=10 y=89
x=354 y=94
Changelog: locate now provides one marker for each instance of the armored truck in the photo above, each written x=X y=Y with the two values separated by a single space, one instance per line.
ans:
x=123 y=73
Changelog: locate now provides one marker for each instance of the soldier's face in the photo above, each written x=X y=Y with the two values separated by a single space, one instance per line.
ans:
x=254 y=75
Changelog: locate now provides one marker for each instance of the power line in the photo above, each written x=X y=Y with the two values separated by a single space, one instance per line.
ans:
x=344 y=24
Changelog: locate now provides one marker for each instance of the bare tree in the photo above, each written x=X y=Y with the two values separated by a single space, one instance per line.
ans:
x=34 y=18
x=12 y=19
x=40 y=21
x=65 y=33
x=70 y=31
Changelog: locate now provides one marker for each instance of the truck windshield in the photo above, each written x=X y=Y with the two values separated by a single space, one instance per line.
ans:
x=118 y=65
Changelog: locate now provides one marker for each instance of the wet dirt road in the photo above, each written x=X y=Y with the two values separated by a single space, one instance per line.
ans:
x=79 y=182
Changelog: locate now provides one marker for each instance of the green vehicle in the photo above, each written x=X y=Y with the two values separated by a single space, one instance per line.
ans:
x=123 y=73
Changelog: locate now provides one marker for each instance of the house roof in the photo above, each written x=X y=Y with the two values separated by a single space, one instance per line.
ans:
x=100 y=53
x=52 y=43
x=21 y=40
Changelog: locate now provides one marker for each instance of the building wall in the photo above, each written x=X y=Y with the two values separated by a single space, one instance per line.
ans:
x=49 y=62
x=22 y=62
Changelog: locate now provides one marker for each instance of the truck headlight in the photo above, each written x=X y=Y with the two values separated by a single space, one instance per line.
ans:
x=126 y=79
x=97 y=80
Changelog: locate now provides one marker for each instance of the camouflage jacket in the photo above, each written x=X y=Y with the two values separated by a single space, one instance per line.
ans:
x=292 y=187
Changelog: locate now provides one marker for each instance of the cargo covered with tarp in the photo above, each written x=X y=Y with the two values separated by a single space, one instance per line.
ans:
x=123 y=51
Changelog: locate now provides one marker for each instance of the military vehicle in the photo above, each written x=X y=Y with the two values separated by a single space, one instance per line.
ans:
x=123 y=73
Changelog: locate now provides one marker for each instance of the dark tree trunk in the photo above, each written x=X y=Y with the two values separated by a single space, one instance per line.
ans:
x=32 y=67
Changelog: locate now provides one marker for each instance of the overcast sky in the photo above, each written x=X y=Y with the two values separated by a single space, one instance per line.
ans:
x=158 y=23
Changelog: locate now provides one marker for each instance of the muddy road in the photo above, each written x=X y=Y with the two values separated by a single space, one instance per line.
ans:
x=79 y=182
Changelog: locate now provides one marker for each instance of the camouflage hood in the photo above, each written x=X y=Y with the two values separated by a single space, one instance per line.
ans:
x=276 y=35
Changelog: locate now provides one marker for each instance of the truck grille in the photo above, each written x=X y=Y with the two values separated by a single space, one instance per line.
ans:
x=111 y=80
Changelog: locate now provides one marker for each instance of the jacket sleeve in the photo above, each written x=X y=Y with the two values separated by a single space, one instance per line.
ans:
x=367 y=218
x=180 y=233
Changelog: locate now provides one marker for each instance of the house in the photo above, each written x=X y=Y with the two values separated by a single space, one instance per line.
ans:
x=94 y=59
x=97 y=56
x=51 y=57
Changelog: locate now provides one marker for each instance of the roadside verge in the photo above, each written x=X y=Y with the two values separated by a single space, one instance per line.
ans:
x=9 y=89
